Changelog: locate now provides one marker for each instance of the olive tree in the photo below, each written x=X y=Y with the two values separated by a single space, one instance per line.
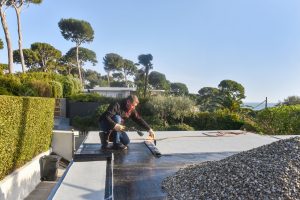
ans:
x=168 y=107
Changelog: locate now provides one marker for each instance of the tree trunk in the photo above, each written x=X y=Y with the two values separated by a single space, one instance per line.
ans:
x=18 y=11
x=146 y=83
x=108 y=79
x=125 y=77
x=8 y=40
x=78 y=64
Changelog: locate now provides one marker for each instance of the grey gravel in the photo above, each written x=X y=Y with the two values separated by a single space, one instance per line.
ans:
x=268 y=172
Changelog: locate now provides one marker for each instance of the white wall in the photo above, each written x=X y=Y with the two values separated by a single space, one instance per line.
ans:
x=22 y=181
x=63 y=143
x=114 y=94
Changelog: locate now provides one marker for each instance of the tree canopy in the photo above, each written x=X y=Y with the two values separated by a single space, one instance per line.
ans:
x=231 y=94
x=158 y=81
x=145 y=60
x=208 y=98
x=179 y=89
x=228 y=95
x=112 y=62
x=45 y=53
x=78 y=31
x=40 y=56
x=84 y=55
x=93 y=78
x=128 y=68
x=30 y=58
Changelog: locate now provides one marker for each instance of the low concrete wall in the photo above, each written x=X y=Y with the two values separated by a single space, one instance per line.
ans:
x=22 y=181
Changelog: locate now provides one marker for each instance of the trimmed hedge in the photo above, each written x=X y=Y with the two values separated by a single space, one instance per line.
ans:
x=282 y=120
x=25 y=130
x=92 y=97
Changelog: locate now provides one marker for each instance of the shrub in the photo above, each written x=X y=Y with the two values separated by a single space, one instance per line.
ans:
x=3 y=91
x=100 y=110
x=40 y=84
x=76 y=83
x=91 y=97
x=214 y=121
x=280 y=120
x=82 y=97
x=25 y=130
x=11 y=84
x=42 y=89
x=57 y=90
x=171 y=108
x=83 y=124
x=68 y=87
x=180 y=127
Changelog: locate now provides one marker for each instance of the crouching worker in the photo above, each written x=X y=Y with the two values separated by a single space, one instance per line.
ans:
x=112 y=122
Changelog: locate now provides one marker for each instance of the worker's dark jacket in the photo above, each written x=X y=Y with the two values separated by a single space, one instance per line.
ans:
x=120 y=108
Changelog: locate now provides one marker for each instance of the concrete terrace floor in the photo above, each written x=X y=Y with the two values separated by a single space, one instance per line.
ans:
x=137 y=174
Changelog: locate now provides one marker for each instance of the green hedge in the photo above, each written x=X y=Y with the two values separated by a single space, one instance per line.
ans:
x=92 y=97
x=39 y=84
x=214 y=121
x=57 y=89
x=25 y=130
x=282 y=120
x=180 y=127
x=10 y=84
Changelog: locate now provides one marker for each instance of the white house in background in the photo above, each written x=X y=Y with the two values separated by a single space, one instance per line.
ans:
x=115 y=92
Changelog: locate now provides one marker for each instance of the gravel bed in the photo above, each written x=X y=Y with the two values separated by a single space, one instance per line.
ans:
x=268 y=172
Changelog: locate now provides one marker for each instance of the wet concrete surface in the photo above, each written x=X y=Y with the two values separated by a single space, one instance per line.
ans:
x=138 y=174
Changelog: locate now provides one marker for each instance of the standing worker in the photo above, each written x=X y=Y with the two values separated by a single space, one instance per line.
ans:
x=112 y=120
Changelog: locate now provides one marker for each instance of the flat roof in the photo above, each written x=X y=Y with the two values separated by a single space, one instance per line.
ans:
x=137 y=174
x=112 y=89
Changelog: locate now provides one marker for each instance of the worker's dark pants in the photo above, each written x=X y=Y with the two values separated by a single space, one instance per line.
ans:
x=118 y=137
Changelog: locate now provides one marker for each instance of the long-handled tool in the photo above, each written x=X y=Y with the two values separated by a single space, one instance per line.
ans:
x=148 y=143
x=142 y=134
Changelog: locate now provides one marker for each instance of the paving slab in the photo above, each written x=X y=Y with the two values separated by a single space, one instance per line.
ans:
x=84 y=180
x=200 y=142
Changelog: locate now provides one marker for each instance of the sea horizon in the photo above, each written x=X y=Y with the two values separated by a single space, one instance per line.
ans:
x=257 y=105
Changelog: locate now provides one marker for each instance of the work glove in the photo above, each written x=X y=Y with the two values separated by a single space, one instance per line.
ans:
x=119 y=127
x=151 y=134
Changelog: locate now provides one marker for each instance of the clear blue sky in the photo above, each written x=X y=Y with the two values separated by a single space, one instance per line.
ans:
x=196 y=42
